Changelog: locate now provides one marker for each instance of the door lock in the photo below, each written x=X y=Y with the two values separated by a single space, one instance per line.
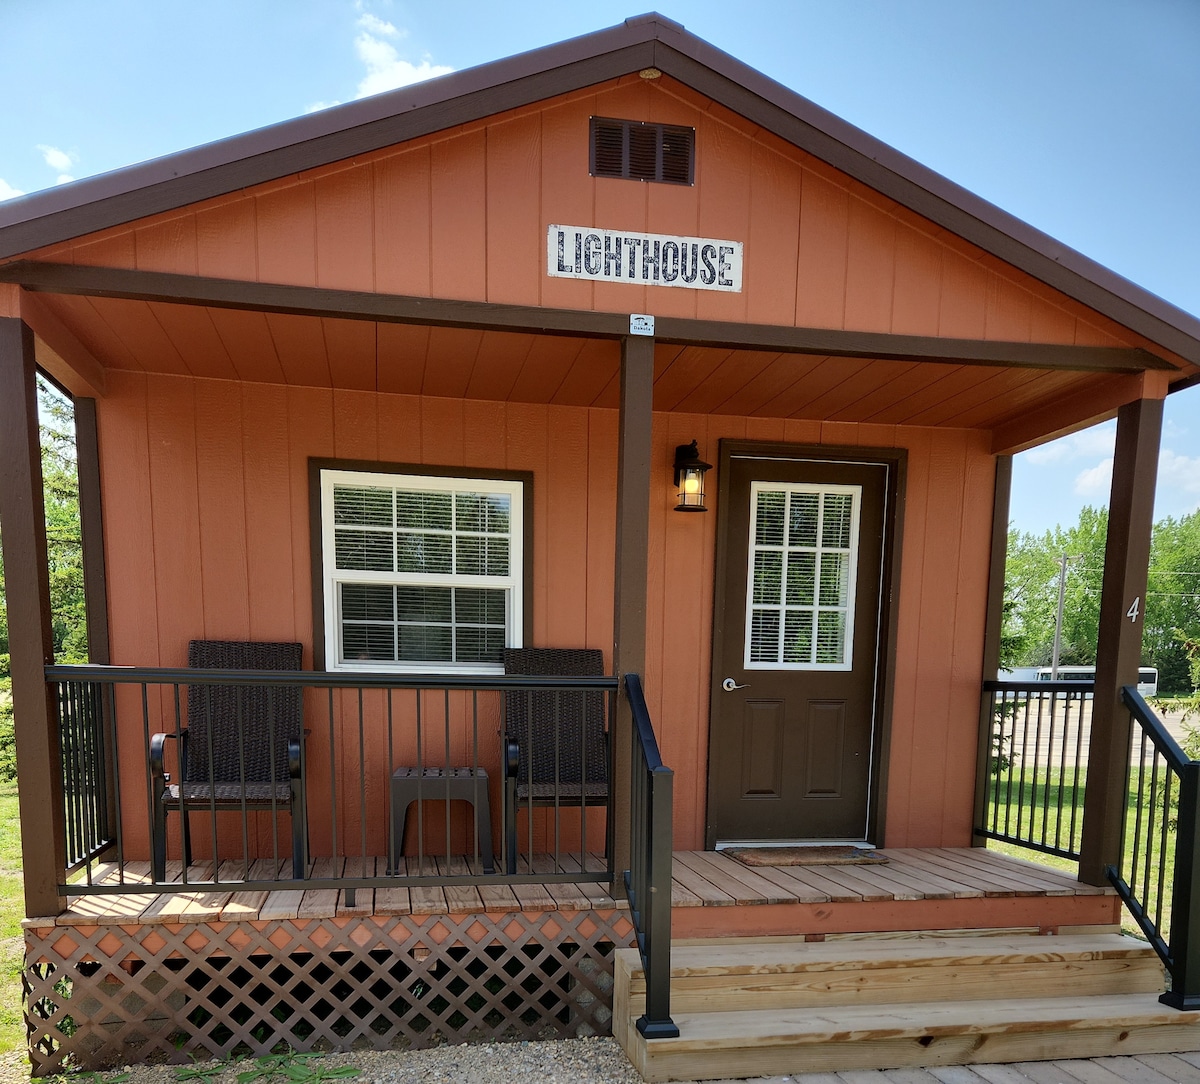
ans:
x=729 y=685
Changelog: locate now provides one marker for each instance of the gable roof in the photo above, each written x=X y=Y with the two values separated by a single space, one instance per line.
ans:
x=647 y=41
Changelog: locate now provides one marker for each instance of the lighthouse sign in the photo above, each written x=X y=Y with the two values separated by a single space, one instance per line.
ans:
x=643 y=259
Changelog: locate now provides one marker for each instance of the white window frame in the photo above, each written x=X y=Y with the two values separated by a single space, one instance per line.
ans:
x=513 y=583
x=855 y=493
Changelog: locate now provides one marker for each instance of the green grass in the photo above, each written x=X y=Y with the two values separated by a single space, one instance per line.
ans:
x=1037 y=803
x=12 y=910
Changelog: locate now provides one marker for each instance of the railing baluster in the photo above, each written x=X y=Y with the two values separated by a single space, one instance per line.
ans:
x=420 y=785
x=449 y=760
x=333 y=804
x=394 y=845
x=111 y=723
x=1185 y=941
x=1163 y=846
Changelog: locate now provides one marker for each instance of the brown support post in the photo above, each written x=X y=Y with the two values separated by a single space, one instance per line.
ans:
x=31 y=643
x=1119 y=645
x=633 y=538
x=991 y=635
x=91 y=520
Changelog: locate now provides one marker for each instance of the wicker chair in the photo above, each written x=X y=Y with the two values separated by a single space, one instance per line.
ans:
x=555 y=743
x=241 y=749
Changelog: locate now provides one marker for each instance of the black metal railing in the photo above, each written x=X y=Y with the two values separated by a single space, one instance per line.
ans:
x=88 y=795
x=1158 y=877
x=1035 y=764
x=648 y=880
x=370 y=746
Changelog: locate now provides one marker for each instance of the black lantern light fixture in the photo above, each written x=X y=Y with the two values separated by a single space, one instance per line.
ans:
x=689 y=478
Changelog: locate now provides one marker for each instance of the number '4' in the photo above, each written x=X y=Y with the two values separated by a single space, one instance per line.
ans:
x=1135 y=609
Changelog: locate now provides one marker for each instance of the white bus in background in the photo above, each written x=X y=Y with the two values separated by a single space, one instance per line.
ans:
x=1147 y=677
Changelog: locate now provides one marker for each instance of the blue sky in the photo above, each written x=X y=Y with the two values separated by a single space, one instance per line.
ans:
x=1081 y=117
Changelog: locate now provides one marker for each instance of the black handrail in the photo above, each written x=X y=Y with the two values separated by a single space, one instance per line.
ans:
x=648 y=880
x=1162 y=858
x=324 y=679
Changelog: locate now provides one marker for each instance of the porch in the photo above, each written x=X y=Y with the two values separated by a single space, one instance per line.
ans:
x=217 y=969
x=913 y=889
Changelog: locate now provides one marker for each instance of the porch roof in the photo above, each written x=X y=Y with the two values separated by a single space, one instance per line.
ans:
x=93 y=320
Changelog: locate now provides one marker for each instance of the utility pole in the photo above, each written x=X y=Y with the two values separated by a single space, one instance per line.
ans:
x=1062 y=593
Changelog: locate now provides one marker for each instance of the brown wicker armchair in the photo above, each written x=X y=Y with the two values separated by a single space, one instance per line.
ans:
x=241 y=749
x=555 y=743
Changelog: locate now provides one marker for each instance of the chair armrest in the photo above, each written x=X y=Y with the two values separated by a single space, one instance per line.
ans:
x=158 y=744
x=512 y=758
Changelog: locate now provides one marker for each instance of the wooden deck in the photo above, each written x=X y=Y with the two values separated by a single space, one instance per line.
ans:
x=1140 y=1069
x=953 y=881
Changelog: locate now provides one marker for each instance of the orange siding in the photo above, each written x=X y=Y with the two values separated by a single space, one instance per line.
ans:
x=463 y=214
x=207 y=536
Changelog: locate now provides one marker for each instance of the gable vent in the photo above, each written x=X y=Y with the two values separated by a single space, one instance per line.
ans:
x=636 y=151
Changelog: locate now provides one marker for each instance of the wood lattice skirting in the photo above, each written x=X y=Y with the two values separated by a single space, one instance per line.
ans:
x=97 y=996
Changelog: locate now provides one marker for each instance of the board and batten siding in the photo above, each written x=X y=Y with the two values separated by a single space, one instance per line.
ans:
x=207 y=522
x=463 y=214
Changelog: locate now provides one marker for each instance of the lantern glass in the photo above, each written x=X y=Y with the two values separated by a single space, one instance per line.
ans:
x=691 y=490
x=689 y=478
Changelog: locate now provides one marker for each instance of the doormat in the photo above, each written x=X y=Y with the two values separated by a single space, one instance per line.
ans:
x=807 y=856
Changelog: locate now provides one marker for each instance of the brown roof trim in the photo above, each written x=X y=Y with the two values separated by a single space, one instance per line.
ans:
x=84 y=280
x=1182 y=385
x=45 y=218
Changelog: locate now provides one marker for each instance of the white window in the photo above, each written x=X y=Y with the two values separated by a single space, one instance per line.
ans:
x=422 y=574
x=801 y=583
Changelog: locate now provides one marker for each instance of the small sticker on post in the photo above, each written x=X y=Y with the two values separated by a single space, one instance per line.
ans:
x=641 y=324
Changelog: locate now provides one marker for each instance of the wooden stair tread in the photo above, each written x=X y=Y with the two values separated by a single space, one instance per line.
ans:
x=779 y=958
x=864 y=1023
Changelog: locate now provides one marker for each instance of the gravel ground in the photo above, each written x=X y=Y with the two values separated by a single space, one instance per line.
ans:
x=564 y=1061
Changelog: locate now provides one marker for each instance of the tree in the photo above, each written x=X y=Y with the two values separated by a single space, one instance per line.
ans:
x=64 y=541
x=1031 y=585
x=64 y=548
x=1171 y=606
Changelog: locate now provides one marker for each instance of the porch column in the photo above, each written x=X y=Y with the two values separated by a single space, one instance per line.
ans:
x=91 y=522
x=633 y=538
x=1119 y=645
x=992 y=633
x=31 y=641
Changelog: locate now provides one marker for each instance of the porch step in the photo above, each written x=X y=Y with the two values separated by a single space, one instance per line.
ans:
x=783 y=1007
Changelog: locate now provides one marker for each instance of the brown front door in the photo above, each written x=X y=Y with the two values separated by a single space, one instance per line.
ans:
x=797 y=665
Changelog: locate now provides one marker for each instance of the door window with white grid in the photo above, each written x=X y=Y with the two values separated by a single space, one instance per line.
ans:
x=800 y=583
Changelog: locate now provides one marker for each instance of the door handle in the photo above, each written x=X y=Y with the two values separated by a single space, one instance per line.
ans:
x=729 y=685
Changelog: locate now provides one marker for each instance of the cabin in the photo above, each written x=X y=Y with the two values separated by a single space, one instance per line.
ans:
x=544 y=537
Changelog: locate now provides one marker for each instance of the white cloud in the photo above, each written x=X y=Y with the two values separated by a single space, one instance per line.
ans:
x=1179 y=471
x=380 y=27
x=1172 y=430
x=386 y=69
x=1095 y=481
x=1085 y=444
x=7 y=191
x=316 y=107
x=56 y=159
x=64 y=178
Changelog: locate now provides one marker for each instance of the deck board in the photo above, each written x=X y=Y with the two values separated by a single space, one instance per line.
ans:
x=701 y=879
